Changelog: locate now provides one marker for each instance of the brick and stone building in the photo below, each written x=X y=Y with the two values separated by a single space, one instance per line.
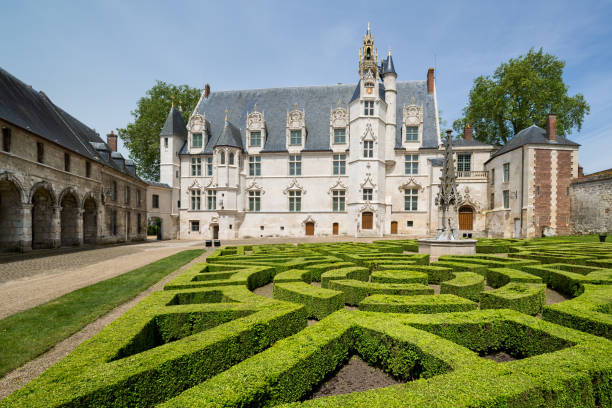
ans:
x=60 y=183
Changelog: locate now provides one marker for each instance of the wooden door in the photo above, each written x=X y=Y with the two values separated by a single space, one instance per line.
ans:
x=466 y=218
x=215 y=232
x=335 y=228
x=310 y=228
x=394 y=227
x=367 y=220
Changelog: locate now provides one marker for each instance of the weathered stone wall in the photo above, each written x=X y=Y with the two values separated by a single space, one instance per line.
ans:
x=591 y=205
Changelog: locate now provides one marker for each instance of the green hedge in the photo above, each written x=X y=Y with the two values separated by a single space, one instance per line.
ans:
x=317 y=270
x=561 y=278
x=417 y=304
x=498 y=277
x=354 y=272
x=528 y=298
x=355 y=291
x=319 y=302
x=465 y=284
x=399 y=276
x=293 y=275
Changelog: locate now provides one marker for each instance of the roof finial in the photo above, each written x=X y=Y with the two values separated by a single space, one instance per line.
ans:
x=368 y=27
x=389 y=51
x=226 y=114
x=255 y=108
x=339 y=102
x=295 y=106
x=172 y=97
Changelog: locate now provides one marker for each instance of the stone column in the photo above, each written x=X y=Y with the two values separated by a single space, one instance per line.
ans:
x=79 y=227
x=24 y=229
x=55 y=234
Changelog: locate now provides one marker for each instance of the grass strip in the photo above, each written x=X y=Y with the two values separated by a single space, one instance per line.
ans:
x=28 y=334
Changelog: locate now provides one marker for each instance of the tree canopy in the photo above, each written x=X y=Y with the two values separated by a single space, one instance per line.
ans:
x=520 y=93
x=141 y=137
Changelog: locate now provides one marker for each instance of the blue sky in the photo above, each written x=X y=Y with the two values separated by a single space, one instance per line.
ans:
x=97 y=58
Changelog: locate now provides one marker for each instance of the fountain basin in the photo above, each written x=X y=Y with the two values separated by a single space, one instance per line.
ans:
x=435 y=247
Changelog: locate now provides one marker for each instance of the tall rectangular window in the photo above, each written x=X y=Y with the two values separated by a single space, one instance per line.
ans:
x=368 y=148
x=506 y=172
x=254 y=201
x=255 y=139
x=339 y=164
x=139 y=224
x=295 y=137
x=155 y=201
x=506 y=198
x=195 y=226
x=211 y=196
x=166 y=142
x=195 y=199
x=492 y=202
x=411 y=164
x=40 y=152
x=464 y=162
x=196 y=166
x=87 y=169
x=196 y=140
x=127 y=195
x=137 y=198
x=6 y=139
x=209 y=166
x=411 y=199
x=295 y=201
x=367 y=194
x=492 y=176
x=338 y=201
x=254 y=166
x=340 y=136
x=368 y=108
x=66 y=162
x=412 y=133
x=295 y=165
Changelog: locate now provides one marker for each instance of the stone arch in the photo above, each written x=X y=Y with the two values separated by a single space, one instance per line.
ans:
x=69 y=218
x=10 y=177
x=44 y=207
x=11 y=213
x=90 y=218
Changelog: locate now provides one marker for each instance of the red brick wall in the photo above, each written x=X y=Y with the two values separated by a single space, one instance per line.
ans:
x=542 y=180
x=564 y=177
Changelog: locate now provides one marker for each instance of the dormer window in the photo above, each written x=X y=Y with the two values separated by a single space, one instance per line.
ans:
x=412 y=121
x=412 y=133
x=196 y=140
x=256 y=128
x=340 y=136
x=296 y=137
x=255 y=140
x=368 y=108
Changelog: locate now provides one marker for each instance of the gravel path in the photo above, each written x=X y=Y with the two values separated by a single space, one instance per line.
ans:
x=30 y=281
x=31 y=370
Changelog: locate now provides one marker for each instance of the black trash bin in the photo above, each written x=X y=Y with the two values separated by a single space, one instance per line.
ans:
x=208 y=243
x=217 y=243
x=602 y=238
x=469 y=235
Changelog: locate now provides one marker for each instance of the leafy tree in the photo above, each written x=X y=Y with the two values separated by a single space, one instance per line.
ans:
x=521 y=92
x=141 y=137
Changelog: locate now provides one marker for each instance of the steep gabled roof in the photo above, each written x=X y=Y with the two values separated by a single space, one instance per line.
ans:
x=462 y=142
x=230 y=136
x=175 y=125
x=387 y=66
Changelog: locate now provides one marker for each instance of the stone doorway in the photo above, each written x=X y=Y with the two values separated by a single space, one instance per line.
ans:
x=367 y=220
x=43 y=215
x=215 y=229
x=335 y=228
x=10 y=215
x=90 y=221
x=69 y=220
x=394 y=227
x=466 y=218
x=310 y=228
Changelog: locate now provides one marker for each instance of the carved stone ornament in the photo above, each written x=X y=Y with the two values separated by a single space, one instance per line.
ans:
x=294 y=186
x=214 y=220
x=368 y=182
x=339 y=185
x=412 y=115
x=411 y=183
x=467 y=199
x=195 y=186
x=309 y=219
x=296 y=119
x=368 y=133
x=339 y=118
x=197 y=123
x=367 y=207
x=255 y=120
x=253 y=186
x=210 y=184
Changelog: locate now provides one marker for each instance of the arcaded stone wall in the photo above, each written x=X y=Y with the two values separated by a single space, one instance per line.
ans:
x=591 y=205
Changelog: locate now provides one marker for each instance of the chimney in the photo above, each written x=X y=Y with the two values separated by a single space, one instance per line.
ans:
x=468 y=133
x=111 y=141
x=580 y=171
x=430 y=80
x=551 y=127
x=206 y=91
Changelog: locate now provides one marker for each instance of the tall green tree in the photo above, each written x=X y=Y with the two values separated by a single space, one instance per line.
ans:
x=141 y=137
x=520 y=93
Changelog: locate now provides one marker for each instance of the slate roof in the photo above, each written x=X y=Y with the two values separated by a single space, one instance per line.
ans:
x=33 y=111
x=316 y=101
x=386 y=66
x=175 y=125
x=230 y=136
x=157 y=184
x=462 y=142
x=532 y=135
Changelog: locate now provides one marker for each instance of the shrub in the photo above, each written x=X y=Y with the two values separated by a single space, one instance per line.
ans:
x=464 y=284
x=355 y=291
x=416 y=304
x=355 y=272
x=399 y=276
x=319 y=302
x=528 y=298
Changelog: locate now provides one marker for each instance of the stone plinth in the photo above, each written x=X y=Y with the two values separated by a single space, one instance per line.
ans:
x=436 y=248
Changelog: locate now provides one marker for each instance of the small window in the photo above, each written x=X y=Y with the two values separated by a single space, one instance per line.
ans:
x=339 y=164
x=295 y=138
x=506 y=198
x=231 y=158
x=166 y=142
x=196 y=140
x=195 y=200
x=196 y=166
x=339 y=201
x=6 y=139
x=254 y=166
x=537 y=191
x=209 y=166
x=295 y=165
x=464 y=163
x=254 y=201
x=412 y=133
x=411 y=199
x=155 y=201
x=367 y=194
x=261 y=227
x=211 y=196
x=340 y=136
x=492 y=202
x=139 y=224
x=40 y=152
x=255 y=139
x=368 y=148
x=176 y=174
x=222 y=157
x=295 y=201
x=114 y=191
x=66 y=162
x=195 y=226
x=411 y=164
x=409 y=223
x=368 y=108
x=492 y=176
x=506 y=172
x=87 y=169
x=127 y=195
x=138 y=198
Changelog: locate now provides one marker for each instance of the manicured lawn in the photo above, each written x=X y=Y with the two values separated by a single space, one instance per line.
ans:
x=25 y=335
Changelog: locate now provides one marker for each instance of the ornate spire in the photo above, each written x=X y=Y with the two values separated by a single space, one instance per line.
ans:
x=447 y=195
x=368 y=56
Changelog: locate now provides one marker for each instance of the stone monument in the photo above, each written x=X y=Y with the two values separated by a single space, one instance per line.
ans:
x=447 y=201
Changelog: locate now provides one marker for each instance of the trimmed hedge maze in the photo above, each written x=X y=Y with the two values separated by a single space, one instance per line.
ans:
x=207 y=340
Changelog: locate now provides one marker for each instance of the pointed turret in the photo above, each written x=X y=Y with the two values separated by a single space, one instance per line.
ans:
x=386 y=66
x=230 y=135
x=175 y=125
